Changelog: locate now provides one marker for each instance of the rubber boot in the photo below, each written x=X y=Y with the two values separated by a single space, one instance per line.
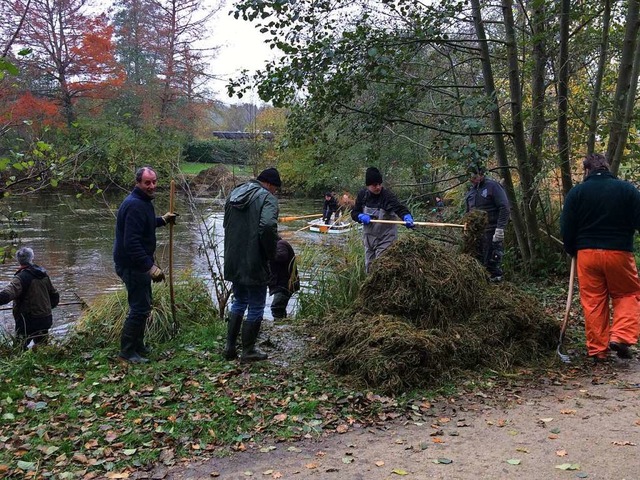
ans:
x=250 y=332
x=142 y=349
x=128 y=343
x=234 y=321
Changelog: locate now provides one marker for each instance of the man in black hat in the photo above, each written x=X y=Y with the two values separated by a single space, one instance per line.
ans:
x=488 y=195
x=250 y=241
x=378 y=203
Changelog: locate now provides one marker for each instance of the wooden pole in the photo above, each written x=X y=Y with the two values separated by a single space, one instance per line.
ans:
x=172 y=194
x=422 y=224
x=64 y=304
x=291 y=219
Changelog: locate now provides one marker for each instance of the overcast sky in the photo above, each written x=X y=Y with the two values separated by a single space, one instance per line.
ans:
x=241 y=47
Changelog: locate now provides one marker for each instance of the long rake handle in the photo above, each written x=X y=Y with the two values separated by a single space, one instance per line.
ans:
x=422 y=224
x=572 y=277
x=291 y=219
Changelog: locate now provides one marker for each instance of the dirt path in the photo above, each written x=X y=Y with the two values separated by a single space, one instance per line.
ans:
x=589 y=420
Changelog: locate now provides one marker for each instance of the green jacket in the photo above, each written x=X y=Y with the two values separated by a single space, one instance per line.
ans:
x=250 y=234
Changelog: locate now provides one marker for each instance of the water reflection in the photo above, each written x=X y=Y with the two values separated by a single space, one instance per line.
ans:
x=73 y=239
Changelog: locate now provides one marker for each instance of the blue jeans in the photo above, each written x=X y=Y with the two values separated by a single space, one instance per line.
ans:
x=253 y=297
x=138 y=295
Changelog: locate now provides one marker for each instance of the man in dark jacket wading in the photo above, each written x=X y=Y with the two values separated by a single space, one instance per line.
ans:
x=250 y=239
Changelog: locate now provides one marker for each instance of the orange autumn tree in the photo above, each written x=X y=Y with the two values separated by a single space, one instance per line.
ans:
x=72 y=53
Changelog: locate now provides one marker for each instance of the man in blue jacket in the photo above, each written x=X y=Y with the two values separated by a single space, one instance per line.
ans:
x=133 y=251
x=250 y=239
x=488 y=195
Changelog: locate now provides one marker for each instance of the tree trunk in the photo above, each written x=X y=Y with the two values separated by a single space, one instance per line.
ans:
x=618 y=130
x=498 y=140
x=563 y=98
x=597 y=88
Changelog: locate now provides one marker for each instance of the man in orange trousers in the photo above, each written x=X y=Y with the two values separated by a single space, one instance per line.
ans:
x=598 y=222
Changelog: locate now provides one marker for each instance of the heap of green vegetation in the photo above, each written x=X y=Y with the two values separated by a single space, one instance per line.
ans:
x=425 y=313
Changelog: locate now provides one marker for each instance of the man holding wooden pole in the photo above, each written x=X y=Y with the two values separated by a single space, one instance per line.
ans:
x=377 y=203
x=133 y=252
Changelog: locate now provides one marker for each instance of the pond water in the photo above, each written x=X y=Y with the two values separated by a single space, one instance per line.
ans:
x=73 y=239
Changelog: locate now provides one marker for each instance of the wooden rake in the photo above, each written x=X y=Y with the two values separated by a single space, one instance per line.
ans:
x=572 y=275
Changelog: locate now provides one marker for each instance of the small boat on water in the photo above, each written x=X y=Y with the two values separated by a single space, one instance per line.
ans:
x=318 y=226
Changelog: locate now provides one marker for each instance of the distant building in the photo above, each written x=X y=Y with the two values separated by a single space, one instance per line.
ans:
x=243 y=135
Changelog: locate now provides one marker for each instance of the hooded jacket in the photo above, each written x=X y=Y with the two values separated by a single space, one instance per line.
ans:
x=250 y=234
x=32 y=293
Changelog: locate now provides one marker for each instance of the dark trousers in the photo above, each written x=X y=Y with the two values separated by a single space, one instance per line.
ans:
x=279 y=304
x=29 y=328
x=491 y=254
x=138 y=286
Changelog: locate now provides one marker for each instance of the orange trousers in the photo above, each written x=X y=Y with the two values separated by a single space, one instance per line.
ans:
x=604 y=275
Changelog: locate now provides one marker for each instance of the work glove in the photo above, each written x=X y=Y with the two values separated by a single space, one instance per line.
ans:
x=364 y=219
x=169 y=218
x=157 y=275
x=408 y=221
x=498 y=235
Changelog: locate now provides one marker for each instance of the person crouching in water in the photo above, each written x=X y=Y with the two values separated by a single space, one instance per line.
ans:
x=33 y=298
x=329 y=208
x=379 y=203
x=284 y=280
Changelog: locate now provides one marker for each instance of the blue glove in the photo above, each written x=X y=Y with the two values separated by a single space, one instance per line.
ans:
x=408 y=221
x=364 y=219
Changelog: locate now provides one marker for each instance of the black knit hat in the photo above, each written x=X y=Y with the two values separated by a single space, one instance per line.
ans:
x=270 y=175
x=372 y=176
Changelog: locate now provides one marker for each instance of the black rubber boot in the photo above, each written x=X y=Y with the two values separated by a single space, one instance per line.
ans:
x=233 y=329
x=250 y=332
x=128 y=344
x=142 y=349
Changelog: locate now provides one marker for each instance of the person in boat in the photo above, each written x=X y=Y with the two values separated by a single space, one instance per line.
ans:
x=284 y=280
x=374 y=202
x=33 y=298
x=330 y=208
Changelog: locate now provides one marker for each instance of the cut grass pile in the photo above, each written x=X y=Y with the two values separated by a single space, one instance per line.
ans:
x=426 y=313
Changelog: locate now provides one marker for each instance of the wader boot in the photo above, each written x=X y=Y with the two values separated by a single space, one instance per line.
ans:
x=128 y=343
x=250 y=332
x=233 y=329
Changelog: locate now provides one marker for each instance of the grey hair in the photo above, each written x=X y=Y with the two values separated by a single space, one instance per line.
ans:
x=141 y=171
x=595 y=161
x=25 y=256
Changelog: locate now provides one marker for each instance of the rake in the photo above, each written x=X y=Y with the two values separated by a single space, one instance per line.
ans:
x=572 y=275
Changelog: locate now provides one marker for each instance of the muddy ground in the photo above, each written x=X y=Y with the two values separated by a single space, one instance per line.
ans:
x=574 y=421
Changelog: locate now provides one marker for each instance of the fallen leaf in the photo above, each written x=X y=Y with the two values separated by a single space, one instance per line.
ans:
x=214 y=474
x=444 y=461
x=514 y=461
x=561 y=453
x=117 y=475
x=379 y=463
x=280 y=417
x=342 y=428
x=623 y=443
x=568 y=466
x=567 y=412
x=276 y=475
x=312 y=465
x=267 y=449
x=522 y=449
x=294 y=449
x=444 y=420
x=553 y=436
x=398 y=471
x=546 y=420
x=347 y=459
x=267 y=472
x=437 y=440
x=129 y=451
